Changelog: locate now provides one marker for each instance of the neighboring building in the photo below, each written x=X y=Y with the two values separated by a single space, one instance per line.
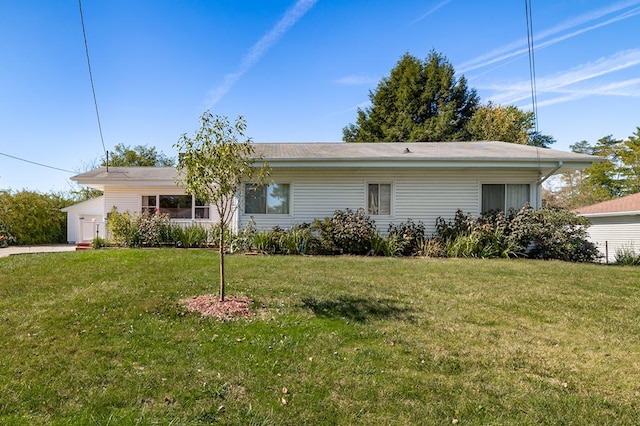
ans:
x=615 y=225
x=393 y=182
x=85 y=220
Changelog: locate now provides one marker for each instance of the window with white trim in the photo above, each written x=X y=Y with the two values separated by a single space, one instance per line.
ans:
x=176 y=206
x=505 y=196
x=267 y=199
x=379 y=199
x=149 y=204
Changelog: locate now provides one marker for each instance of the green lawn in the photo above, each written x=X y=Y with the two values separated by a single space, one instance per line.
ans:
x=97 y=337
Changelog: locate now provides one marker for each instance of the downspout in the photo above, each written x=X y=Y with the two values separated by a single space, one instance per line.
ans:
x=544 y=179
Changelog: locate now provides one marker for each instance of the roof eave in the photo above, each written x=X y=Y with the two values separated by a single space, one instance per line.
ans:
x=610 y=214
x=567 y=164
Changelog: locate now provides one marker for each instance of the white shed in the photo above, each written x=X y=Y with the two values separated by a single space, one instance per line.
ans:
x=85 y=220
x=615 y=225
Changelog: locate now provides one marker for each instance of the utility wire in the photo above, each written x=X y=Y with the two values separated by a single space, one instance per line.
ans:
x=93 y=89
x=37 y=164
x=532 y=62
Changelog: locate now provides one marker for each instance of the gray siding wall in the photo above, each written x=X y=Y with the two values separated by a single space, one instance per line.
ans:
x=420 y=195
x=615 y=232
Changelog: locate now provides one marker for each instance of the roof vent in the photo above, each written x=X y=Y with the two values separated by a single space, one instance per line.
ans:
x=407 y=151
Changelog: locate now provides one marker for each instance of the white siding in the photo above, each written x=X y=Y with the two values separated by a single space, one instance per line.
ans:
x=420 y=195
x=614 y=233
x=80 y=213
x=129 y=198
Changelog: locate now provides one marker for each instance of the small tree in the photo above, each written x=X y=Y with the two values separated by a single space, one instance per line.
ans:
x=214 y=163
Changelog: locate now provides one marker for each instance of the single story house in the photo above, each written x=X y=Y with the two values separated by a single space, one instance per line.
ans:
x=393 y=182
x=615 y=225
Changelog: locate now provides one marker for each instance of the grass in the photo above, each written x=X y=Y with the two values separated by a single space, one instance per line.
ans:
x=98 y=337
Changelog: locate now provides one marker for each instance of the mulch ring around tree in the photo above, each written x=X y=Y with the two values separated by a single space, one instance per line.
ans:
x=209 y=305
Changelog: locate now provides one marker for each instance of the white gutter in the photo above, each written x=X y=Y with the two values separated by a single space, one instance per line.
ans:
x=548 y=175
x=610 y=214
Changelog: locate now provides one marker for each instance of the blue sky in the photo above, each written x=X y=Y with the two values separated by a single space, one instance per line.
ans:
x=296 y=70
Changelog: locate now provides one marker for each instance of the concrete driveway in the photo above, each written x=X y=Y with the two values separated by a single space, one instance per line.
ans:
x=52 y=248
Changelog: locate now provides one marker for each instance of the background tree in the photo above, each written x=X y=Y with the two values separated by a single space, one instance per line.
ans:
x=499 y=123
x=618 y=176
x=629 y=154
x=493 y=122
x=601 y=181
x=540 y=140
x=140 y=155
x=419 y=101
x=79 y=193
x=214 y=164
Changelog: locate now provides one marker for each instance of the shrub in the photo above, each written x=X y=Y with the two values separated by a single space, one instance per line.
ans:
x=409 y=236
x=263 y=243
x=390 y=246
x=140 y=229
x=29 y=217
x=461 y=224
x=347 y=232
x=151 y=228
x=121 y=227
x=323 y=229
x=98 y=243
x=296 y=240
x=379 y=245
x=432 y=247
x=269 y=241
x=560 y=234
x=627 y=256
x=484 y=237
x=190 y=236
x=547 y=233
x=5 y=237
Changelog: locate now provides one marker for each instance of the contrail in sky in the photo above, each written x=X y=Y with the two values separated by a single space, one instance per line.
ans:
x=561 y=83
x=258 y=50
x=519 y=47
x=430 y=11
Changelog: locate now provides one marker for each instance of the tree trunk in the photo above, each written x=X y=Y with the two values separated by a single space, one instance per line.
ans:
x=221 y=248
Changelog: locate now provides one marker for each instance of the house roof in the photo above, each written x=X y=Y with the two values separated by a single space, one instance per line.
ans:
x=86 y=204
x=339 y=155
x=407 y=151
x=620 y=206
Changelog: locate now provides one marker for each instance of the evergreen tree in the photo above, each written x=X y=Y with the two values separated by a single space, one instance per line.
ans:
x=419 y=101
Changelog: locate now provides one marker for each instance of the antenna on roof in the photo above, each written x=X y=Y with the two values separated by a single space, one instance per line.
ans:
x=107 y=161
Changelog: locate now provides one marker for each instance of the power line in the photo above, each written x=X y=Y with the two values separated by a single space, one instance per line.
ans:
x=37 y=164
x=532 y=62
x=93 y=89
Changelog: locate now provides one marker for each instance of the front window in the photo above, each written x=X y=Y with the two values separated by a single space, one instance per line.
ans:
x=504 y=196
x=149 y=203
x=267 y=199
x=379 y=199
x=201 y=209
x=176 y=206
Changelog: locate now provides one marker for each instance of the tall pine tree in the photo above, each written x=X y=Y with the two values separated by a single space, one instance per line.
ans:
x=419 y=101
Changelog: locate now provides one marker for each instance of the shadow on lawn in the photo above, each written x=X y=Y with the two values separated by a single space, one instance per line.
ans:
x=357 y=309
